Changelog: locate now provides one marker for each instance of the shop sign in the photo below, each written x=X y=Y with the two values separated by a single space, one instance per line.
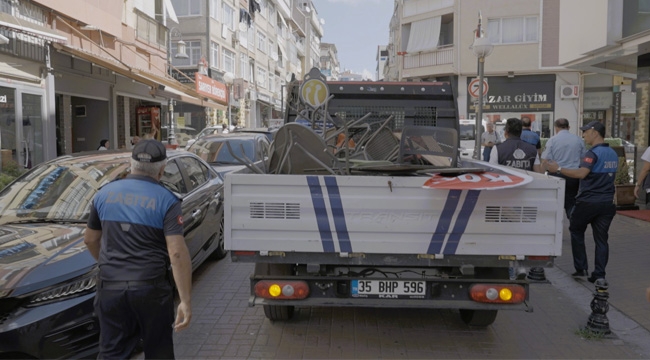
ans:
x=183 y=78
x=264 y=97
x=522 y=93
x=597 y=100
x=211 y=88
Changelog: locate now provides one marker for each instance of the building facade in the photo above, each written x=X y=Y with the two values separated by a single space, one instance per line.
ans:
x=260 y=42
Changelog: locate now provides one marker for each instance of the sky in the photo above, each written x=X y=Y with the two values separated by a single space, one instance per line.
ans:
x=356 y=27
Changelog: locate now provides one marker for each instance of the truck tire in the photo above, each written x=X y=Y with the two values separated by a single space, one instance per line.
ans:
x=275 y=312
x=480 y=318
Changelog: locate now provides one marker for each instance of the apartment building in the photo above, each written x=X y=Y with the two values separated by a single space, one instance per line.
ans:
x=432 y=40
x=260 y=42
x=329 y=61
x=610 y=47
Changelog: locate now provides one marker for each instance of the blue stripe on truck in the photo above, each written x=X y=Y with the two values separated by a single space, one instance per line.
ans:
x=444 y=222
x=321 y=213
x=338 y=214
x=461 y=221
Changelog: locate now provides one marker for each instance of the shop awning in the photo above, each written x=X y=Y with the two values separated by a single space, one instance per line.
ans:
x=10 y=22
x=170 y=89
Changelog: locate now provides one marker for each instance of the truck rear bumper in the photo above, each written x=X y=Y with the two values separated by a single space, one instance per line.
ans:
x=437 y=294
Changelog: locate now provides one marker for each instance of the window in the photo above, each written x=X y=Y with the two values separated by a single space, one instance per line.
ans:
x=264 y=9
x=228 y=17
x=228 y=61
x=243 y=66
x=513 y=30
x=261 y=42
x=193 y=49
x=214 y=9
x=187 y=7
x=172 y=178
x=271 y=82
x=196 y=172
x=214 y=55
x=261 y=77
x=147 y=29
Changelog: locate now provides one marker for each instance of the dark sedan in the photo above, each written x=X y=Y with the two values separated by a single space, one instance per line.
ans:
x=231 y=151
x=47 y=275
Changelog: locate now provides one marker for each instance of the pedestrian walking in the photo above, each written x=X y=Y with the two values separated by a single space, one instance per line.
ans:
x=529 y=136
x=489 y=138
x=595 y=200
x=135 y=232
x=566 y=150
x=103 y=144
x=642 y=187
x=515 y=152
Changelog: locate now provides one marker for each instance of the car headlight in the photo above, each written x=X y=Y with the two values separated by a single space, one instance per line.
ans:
x=75 y=287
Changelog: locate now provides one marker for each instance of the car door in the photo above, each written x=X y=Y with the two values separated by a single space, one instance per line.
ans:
x=202 y=207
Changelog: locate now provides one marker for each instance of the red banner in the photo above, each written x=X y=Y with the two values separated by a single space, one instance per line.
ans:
x=211 y=88
x=489 y=180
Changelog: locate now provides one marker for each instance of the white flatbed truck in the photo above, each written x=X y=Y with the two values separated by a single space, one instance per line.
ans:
x=385 y=240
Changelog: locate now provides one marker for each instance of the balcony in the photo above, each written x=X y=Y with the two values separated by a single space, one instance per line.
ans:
x=443 y=55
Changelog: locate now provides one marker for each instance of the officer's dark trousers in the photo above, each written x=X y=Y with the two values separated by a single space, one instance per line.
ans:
x=128 y=313
x=600 y=216
x=570 y=191
x=486 y=153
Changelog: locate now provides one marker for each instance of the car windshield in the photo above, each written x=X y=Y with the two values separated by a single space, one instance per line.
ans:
x=59 y=191
x=207 y=131
x=217 y=152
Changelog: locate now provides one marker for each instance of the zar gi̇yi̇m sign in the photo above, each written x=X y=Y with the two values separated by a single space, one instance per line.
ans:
x=532 y=93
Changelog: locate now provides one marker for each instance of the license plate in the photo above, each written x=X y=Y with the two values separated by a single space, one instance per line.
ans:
x=389 y=289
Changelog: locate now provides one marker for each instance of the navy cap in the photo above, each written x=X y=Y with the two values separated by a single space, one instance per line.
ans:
x=596 y=125
x=149 y=150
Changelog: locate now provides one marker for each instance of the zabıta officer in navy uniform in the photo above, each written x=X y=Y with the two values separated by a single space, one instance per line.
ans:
x=595 y=200
x=135 y=232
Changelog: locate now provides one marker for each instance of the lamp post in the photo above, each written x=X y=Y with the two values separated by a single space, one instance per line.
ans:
x=482 y=48
x=180 y=54
x=229 y=77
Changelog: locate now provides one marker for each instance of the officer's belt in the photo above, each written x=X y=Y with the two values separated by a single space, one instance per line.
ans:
x=127 y=284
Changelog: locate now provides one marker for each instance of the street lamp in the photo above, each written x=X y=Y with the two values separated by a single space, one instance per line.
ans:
x=229 y=77
x=180 y=54
x=482 y=48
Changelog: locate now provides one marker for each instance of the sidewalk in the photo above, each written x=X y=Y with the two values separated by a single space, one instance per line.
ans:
x=628 y=272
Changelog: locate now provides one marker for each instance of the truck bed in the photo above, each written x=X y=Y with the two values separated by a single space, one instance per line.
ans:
x=362 y=215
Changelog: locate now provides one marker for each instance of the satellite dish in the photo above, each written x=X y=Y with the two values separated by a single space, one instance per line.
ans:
x=242 y=26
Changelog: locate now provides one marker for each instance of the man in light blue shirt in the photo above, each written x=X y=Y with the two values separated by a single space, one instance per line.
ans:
x=529 y=136
x=567 y=150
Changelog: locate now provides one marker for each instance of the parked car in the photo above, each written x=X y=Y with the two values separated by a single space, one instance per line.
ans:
x=182 y=133
x=210 y=130
x=629 y=147
x=47 y=275
x=269 y=132
x=215 y=151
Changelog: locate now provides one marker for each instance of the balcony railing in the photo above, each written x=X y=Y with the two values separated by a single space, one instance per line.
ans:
x=441 y=56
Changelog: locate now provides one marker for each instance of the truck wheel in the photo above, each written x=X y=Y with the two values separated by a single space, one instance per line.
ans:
x=275 y=312
x=478 y=317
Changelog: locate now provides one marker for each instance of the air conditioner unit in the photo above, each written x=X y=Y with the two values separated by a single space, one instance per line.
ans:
x=569 y=91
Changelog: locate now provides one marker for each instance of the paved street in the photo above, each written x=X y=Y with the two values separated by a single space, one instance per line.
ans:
x=225 y=327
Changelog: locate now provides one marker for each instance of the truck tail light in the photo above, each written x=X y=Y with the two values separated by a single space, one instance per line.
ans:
x=287 y=290
x=498 y=293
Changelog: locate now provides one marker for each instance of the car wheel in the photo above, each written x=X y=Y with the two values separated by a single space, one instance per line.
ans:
x=480 y=318
x=276 y=312
x=220 y=252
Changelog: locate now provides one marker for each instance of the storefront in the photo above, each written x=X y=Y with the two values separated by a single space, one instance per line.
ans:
x=531 y=96
x=26 y=111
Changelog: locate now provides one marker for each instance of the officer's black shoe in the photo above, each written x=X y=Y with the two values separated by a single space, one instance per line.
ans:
x=580 y=273
x=592 y=279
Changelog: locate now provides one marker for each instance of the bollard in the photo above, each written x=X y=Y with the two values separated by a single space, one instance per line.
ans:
x=537 y=274
x=598 y=322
